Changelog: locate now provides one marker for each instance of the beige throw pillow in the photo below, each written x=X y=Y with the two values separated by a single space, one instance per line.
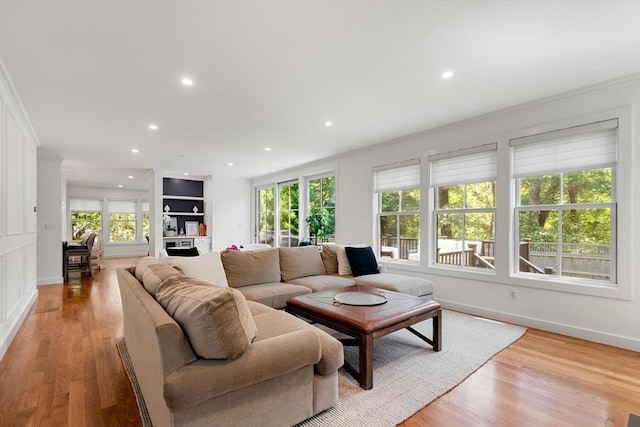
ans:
x=217 y=321
x=300 y=262
x=330 y=259
x=207 y=267
x=244 y=268
x=151 y=272
x=344 y=268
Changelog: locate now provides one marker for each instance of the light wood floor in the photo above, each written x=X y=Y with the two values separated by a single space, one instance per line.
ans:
x=63 y=369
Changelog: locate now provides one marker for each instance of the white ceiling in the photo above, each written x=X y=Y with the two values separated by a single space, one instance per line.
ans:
x=93 y=74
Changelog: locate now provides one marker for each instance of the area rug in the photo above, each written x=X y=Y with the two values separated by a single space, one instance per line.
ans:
x=407 y=374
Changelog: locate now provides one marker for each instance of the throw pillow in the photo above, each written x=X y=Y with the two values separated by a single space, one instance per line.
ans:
x=183 y=251
x=244 y=268
x=300 y=262
x=207 y=267
x=362 y=261
x=330 y=259
x=344 y=269
x=217 y=321
x=151 y=272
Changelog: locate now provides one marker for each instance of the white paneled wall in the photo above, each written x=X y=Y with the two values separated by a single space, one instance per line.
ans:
x=18 y=226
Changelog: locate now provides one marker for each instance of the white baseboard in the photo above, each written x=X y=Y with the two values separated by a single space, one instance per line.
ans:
x=51 y=281
x=558 y=328
x=6 y=342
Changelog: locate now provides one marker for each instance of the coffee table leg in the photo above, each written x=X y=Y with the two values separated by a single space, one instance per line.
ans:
x=437 y=331
x=366 y=361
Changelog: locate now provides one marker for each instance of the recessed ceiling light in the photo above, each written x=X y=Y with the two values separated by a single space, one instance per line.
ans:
x=327 y=124
x=186 y=174
x=153 y=126
x=267 y=148
x=120 y=186
x=447 y=74
x=187 y=81
x=230 y=164
x=135 y=150
x=130 y=176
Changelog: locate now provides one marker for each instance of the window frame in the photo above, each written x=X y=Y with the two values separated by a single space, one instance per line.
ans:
x=403 y=184
x=328 y=237
x=488 y=154
x=101 y=211
x=560 y=207
x=135 y=214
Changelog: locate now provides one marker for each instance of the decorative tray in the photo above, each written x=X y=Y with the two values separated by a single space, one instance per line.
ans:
x=359 y=298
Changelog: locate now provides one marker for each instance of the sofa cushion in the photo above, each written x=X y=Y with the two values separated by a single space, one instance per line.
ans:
x=300 y=262
x=275 y=323
x=207 y=267
x=330 y=259
x=245 y=268
x=323 y=283
x=362 y=261
x=344 y=268
x=151 y=272
x=410 y=285
x=217 y=321
x=273 y=294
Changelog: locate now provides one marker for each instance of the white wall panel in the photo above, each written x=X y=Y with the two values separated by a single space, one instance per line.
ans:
x=15 y=187
x=15 y=280
x=18 y=227
x=30 y=268
x=3 y=170
x=30 y=170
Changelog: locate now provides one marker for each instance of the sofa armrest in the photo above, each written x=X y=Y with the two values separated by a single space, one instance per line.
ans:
x=263 y=360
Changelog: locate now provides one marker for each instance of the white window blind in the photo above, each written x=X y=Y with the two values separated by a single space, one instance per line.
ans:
x=93 y=205
x=584 y=147
x=145 y=206
x=398 y=176
x=122 y=206
x=478 y=164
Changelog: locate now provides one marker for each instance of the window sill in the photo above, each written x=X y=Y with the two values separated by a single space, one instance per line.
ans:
x=550 y=283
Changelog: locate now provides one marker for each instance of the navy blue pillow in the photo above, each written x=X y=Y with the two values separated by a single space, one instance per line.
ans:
x=183 y=251
x=362 y=261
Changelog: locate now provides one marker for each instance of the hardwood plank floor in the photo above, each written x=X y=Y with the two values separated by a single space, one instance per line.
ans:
x=63 y=369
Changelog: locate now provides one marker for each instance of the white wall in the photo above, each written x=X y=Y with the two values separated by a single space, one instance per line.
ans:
x=231 y=203
x=49 y=222
x=111 y=250
x=602 y=315
x=18 y=144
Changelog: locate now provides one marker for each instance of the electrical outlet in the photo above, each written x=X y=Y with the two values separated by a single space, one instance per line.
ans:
x=513 y=294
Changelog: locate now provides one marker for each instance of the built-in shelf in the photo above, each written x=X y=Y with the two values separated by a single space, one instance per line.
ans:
x=171 y=213
x=182 y=196
x=166 y=196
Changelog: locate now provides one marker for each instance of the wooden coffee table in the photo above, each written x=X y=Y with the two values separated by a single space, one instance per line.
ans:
x=365 y=323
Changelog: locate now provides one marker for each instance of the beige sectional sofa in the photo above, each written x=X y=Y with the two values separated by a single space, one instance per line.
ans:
x=285 y=374
x=272 y=276
x=193 y=372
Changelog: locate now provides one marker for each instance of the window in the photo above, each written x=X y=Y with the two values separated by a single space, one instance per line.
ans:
x=266 y=215
x=122 y=221
x=322 y=196
x=464 y=193
x=145 y=220
x=566 y=203
x=397 y=189
x=86 y=216
x=289 y=215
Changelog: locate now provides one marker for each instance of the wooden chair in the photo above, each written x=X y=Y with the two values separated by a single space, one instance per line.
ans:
x=78 y=257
